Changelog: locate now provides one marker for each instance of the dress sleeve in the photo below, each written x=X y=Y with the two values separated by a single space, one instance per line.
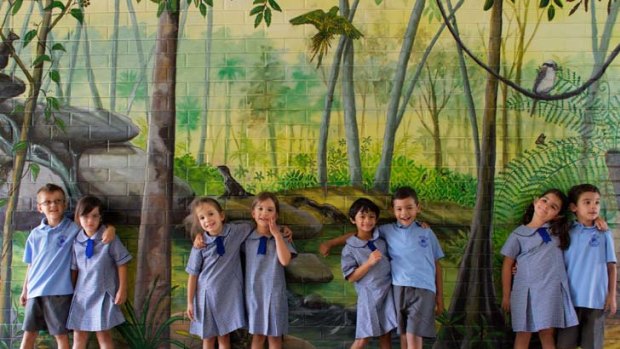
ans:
x=194 y=263
x=119 y=253
x=348 y=262
x=511 y=247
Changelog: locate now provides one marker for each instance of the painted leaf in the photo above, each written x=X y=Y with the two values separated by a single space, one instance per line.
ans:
x=3 y=202
x=16 y=6
x=56 y=4
x=488 y=4
x=203 y=9
x=378 y=2
x=274 y=5
x=209 y=2
x=55 y=76
x=22 y=145
x=258 y=2
x=268 y=16
x=58 y=47
x=258 y=19
x=551 y=13
x=35 y=169
x=257 y=9
x=41 y=59
x=77 y=14
x=29 y=36
x=558 y=3
x=60 y=124
x=543 y=3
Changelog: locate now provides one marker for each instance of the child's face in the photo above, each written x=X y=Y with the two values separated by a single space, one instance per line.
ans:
x=91 y=221
x=547 y=207
x=405 y=210
x=264 y=212
x=211 y=220
x=365 y=221
x=52 y=205
x=588 y=207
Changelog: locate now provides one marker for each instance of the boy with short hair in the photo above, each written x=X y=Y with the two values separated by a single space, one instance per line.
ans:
x=48 y=288
x=416 y=272
x=591 y=267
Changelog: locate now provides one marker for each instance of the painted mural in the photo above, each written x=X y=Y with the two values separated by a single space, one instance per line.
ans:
x=478 y=105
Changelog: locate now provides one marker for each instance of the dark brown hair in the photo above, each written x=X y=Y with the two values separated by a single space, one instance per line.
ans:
x=263 y=196
x=197 y=202
x=558 y=226
x=85 y=206
x=576 y=191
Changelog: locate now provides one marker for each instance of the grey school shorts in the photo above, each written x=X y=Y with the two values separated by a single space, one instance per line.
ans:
x=588 y=334
x=415 y=311
x=47 y=313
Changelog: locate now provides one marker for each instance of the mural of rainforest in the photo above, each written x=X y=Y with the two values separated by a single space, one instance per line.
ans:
x=478 y=105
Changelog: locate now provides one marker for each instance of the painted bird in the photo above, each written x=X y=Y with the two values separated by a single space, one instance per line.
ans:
x=6 y=49
x=328 y=24
x=544 y=81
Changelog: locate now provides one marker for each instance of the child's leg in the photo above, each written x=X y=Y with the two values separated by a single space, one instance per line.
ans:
x=385 y=341
x=359 y=343
x=80 y=339
x=258 y=341
x=413 y=341
x=62 y=341
x=547 y=339
x=223 y=342
x=403 y=341
x=275 y=342
x=28 y=339
x=522 y=340
x=105 y=340
x=208 y=343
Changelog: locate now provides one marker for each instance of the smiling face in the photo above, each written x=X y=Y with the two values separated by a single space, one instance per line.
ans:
x=365 y=221
x=210 y=218
x=52 y=205
x=91 y=221
x=547 y=207
x=263 y=212
x=405 y=210
x=588 y=208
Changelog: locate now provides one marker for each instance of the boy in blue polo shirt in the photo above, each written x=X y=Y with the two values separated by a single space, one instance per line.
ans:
x=591 y=267
x=416 y=273
x=48 y=287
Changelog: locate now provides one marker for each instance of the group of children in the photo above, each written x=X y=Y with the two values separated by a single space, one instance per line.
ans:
x=76 y=274
x=555 y=275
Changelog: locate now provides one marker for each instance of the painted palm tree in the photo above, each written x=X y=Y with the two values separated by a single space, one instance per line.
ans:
x=187 y=118
x=229 y=73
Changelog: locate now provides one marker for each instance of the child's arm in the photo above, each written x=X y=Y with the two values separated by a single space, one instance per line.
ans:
x=506 y=282
x=24 y=296
x=121 y=294
x=108 y=234
x=284 y=255
x=601 y=224
x=439 y=288
x=191 y=291
x=610 y=302
x=361 y=271
x=325 y=246
x=74 y=276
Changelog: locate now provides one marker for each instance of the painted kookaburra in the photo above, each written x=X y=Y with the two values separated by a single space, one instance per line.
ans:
x=544 y=81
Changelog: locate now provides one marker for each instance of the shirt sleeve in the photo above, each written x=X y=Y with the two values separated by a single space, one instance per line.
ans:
x=194 y=263
x=119 y=253
x=511 y=247
x=347 y=262
x=28 y=250
x=437 y=251
x=291 y=248
x=610 y=252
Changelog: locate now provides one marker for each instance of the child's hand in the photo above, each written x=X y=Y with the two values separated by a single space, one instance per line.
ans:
x=610 y=305
x=287 y=233
x=506 y=304
x=601 y=224
x=273 y=228
x=324 y=248
x=374 y=258
x=514 y=269
x=23 y=298
x=439 y=306
x=199 y=242
x=121 y=296
x=108 y=234
x=425 y=225
x=190 y=312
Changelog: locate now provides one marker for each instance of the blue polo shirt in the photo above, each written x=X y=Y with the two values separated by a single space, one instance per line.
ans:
x=413 y=251
x=586 y=264
x=48 y=252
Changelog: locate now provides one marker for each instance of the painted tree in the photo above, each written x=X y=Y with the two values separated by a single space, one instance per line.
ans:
x=54 y=11
x=229 y=73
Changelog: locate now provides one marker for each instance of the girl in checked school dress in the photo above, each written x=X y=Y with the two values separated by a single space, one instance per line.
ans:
x=539 y=299
x=101 y=285
x=266 y=254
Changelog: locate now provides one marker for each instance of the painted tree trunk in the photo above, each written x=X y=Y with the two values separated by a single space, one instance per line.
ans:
x=154 y=245
x=92 y=81
x=205 y=106
x=141 y=58
x=382 y=175
x=114 y=56
x=73 y=61
x=19 y=161
x=474 y=294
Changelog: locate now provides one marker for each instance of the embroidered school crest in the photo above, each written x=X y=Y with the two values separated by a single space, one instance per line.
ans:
x=423 y=241
x=60 y=241
x=595 y=241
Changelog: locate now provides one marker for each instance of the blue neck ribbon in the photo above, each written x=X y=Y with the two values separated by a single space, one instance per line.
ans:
x=90 y=248
x=371 y=245
x=219 y=246
x=262 y=245
x=544 y=234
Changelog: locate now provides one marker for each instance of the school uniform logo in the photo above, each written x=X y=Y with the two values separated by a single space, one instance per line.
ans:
x=423 y=241
x=595 y=241
x=60 y=241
